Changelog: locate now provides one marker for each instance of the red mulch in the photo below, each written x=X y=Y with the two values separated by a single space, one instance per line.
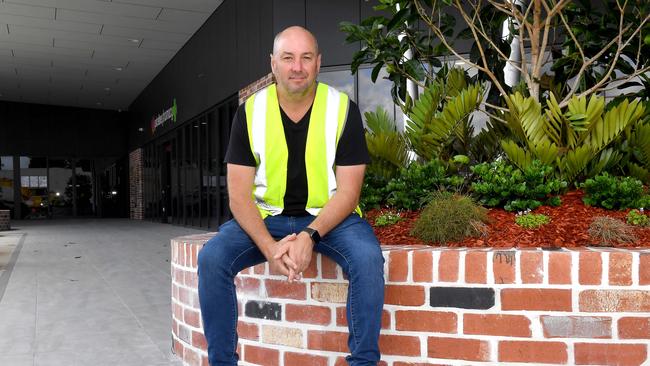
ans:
x=568 y=228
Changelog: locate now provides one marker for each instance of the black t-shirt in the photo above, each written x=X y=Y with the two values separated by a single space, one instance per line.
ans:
x=351 y=150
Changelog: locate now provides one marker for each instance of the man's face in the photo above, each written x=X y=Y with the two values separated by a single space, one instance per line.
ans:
x=296 y=62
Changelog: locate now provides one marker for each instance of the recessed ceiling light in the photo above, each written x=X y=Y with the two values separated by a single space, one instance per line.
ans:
x=119 y=68
x=99 y=103
x=134 y=40
x=107 y=89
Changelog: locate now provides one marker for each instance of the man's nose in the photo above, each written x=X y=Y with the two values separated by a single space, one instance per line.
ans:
x=296 y=65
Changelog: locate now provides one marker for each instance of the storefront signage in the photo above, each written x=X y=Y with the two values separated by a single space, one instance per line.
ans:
x=165 y=116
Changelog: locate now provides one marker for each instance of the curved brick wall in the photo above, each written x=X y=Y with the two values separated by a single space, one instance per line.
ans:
x=443 y=307
x=5 y=220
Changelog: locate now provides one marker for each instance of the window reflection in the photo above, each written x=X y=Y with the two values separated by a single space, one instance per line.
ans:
x=342 y=80
x=7 y=183
x=373 y=95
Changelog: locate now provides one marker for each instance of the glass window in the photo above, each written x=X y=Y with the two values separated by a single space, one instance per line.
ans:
x=373 y=95
x=60 y=187
x=7 y=183
x=33 y=175
x=85 y=188
x=342 y=80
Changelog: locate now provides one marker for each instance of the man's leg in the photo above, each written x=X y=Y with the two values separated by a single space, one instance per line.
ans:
x=353 y=245
x=230 y=251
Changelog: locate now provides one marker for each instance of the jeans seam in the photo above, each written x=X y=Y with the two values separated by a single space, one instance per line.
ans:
x=351 y=294
x=234 y=298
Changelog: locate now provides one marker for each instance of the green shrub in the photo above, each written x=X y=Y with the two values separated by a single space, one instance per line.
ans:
x=500 y=184
x=373 y=192
x=612 y=192
x=415 y=184
x=387 y=218
x=450 y=217
x=638 y=218
x=607 y=231
x=531 y=221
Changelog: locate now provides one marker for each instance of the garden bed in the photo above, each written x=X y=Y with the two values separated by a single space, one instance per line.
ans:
x=568 y=227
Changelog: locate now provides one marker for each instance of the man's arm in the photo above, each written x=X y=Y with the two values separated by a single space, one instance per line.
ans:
x=240 y=183
x=349 y=180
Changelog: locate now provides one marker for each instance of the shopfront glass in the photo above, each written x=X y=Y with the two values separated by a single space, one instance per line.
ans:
x=60 y=187
x=33 y=187
x=7 y=183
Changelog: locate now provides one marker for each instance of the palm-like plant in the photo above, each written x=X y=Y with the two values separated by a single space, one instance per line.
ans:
x=577 y=140
x=387 y=147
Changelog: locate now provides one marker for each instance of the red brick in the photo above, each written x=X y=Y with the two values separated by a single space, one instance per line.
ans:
x=536 y=299
x=312 y=269
x=248 y=330
x=532 y=267
x=247 y=285
x=634 y=328
x=400 y=363
x=644 y=269
x=476 y=267
x=191 y=317
x=533 y=352
x=198 y=341
x=308 y=314
x=458 y=348
x=327 y=341
x=399 y=345
x=205 y=361
x=191 y=279
x=591 y=268
x=610 y=354
x=285 y=289
x=342 y=321
x=178 y=312
x=503 y=266
x=497 y=325
x=398 y=265
x=620 y=269
x=615 y=301
x=576 y=326
x=404 y=295
x=178 y=348
x=260 y=268
x=559 y=268
x=327 y=267
x=261 y=355
x=448 y=266
x=426 y=321
x=340 y=361
x=191 y=357
x=422 y=266
x=301 y=359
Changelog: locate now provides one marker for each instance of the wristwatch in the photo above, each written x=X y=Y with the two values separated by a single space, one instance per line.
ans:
x=313 y=234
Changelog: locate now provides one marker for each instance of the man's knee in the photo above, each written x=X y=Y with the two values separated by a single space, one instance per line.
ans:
x=209 y=256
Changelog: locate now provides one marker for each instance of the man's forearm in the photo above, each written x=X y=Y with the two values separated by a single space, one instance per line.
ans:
x=248 y=217
x=340 y=206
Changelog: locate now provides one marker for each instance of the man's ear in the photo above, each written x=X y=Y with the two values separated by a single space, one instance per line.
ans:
x=272 y=63
x=318 y=61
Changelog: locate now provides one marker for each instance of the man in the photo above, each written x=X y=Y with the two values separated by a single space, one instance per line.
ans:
x=296 y=162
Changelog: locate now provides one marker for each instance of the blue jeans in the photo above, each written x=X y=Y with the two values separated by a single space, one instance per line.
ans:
x=352 y=244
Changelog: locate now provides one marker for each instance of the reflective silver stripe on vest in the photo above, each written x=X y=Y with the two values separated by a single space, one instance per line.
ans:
x=259 y=142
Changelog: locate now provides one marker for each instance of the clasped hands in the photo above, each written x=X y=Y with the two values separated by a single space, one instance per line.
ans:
x=291 y=255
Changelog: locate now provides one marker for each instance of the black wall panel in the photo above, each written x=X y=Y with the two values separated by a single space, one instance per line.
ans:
x=42 y=130
x=323 y=18
x=287 y=13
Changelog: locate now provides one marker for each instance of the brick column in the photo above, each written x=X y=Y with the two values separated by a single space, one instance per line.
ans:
x=5 y=220
x=250 y=89
x=136 y=185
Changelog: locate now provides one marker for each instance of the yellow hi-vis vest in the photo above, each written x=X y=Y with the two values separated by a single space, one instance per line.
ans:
x=269 y=146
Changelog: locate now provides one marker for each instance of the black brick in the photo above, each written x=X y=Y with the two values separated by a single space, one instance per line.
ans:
x=462 y=297
x=263 y=310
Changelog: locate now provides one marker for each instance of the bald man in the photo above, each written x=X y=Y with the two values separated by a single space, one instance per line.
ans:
x=296 y=162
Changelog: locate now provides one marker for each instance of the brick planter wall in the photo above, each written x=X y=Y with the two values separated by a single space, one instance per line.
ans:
x=5 y=220
x=443 y=307
x=136 y=185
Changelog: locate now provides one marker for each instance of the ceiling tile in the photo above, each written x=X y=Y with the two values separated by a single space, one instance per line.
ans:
x=160 y=45
x=45 y=24
x=73 y=36
x=92 y=6
x=136 y=33
x=173 y=15
x=27 y=10
x=42 y=39
x=19 y=48
x=96 y=18
x=206 y=6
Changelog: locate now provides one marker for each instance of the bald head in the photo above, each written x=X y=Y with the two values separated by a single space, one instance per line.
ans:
x=291 y=33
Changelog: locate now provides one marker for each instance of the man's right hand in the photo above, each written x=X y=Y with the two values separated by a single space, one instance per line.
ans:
x=283 y=264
